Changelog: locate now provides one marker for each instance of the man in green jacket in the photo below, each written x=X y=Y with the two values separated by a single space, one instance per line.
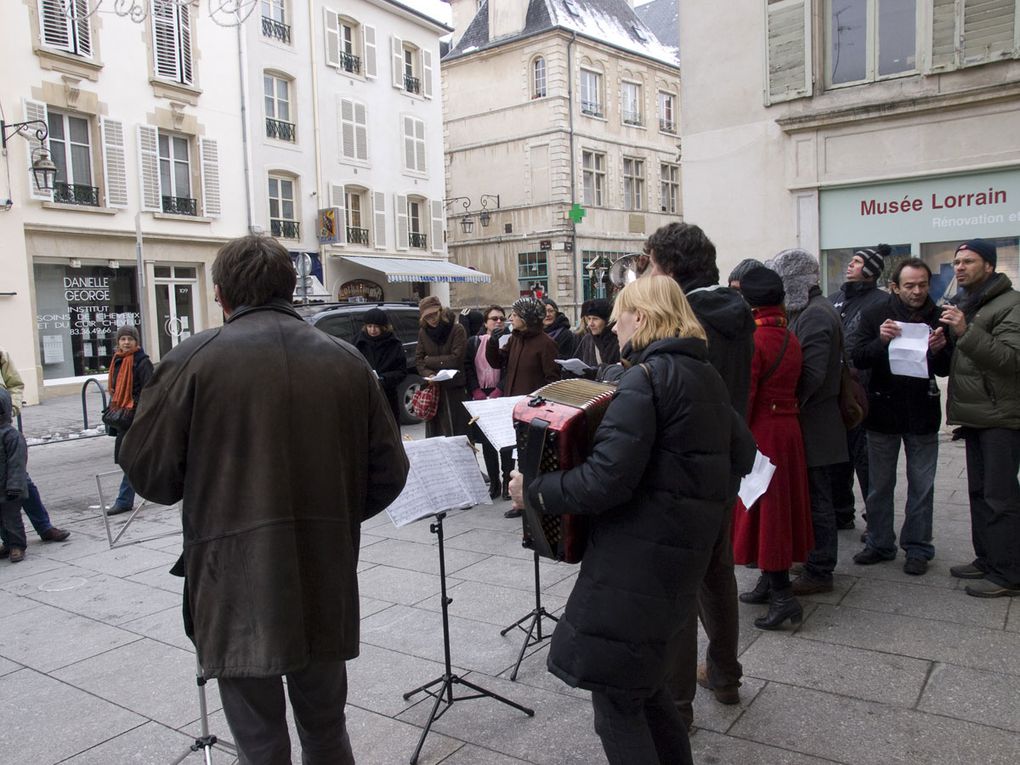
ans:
x=984 y=398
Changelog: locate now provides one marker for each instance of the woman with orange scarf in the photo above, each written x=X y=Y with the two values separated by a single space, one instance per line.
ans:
x=130 y=370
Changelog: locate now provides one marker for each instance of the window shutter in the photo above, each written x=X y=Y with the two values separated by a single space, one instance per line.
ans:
x=36 y=110
x=336 y=196
x=988 y=33
x=944 y=35
x=347 y=148
x=369 y=40
x=361 y=132
x=788 y=50
x=114 y=162
x=437 y=225
x=184 y=27
x=409 y=161
x=332 y=24
x=419 y=145
x=426 y=73
x=82 y=28
x=210 y=156
x=148 y=168
x=379 y=218
x=397 y=51
x=55 y=26
x=164 y=41
x=400 y=208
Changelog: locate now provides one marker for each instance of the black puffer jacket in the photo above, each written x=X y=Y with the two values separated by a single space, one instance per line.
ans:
x=385 y=354
x=896 y=403
x=657 y=487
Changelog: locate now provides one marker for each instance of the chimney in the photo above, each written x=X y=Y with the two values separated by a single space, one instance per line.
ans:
x=463 y=12
x=507 y=18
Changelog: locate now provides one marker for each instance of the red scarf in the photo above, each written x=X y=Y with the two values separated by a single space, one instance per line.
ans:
x=770 y=316
x=122 y=381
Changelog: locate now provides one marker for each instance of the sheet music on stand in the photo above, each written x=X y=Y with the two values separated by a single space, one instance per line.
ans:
x=495 y=417
x=444 y=475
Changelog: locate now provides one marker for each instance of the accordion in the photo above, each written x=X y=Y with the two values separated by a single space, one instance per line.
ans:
x=555 y=431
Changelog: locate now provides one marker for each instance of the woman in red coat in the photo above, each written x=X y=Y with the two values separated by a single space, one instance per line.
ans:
x=775 y=530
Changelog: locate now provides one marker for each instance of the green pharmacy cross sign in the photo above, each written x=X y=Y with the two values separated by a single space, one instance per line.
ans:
x=577 y=213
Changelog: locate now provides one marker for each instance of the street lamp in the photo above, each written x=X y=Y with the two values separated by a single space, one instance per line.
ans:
x=43 y=168
x=485 y=217
x=467 y=223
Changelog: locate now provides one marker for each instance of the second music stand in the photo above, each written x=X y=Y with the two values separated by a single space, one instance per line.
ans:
x=533 y=634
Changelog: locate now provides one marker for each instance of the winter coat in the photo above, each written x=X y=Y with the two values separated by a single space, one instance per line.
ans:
x=385 y=354
x=142 y=372
x=528 y=361
x=275 y=482
x=471 y=372
x=656 y=489
x=820 y=333
x=564 y=337
x=11 y=381
x=729 y=325
x=983 y=378
x=898 y=404
x=777 y=529
x=608 y=346
x=852 y=300
x=451 y=418
x=13 y=452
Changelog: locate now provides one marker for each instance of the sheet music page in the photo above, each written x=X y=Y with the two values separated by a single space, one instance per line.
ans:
x=496 y=419
x=433 y=483
x=464 y=465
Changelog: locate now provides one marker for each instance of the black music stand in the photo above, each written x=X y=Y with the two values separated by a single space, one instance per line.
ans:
x=448 y=679
x=533 y=634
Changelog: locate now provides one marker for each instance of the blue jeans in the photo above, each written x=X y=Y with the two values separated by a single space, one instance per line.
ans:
x=36 y=510
x=922 y=458
x=126 y=494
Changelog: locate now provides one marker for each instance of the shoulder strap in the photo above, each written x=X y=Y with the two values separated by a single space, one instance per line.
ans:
x=779 y=358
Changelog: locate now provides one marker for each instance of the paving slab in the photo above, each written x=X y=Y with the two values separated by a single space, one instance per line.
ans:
x=927 y=603
x=415 y=556
x=400 y=585
x=868 y=675
x=369 y=606
x=166 y=626
x=987 y=698
x=475 y=755
x=499 y=606
x=380 y=740
x=33 y=565
x=517 y=572
x=160 y=578
x=534 y=672
x=867 y=733
x=380 y=677
x=147 y=744
x=1013 y=619
x=492 y=541
x=711 y=748
x=125 y=561
x=11 y=604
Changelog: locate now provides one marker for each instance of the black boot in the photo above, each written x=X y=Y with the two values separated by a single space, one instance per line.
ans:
x=783 y=606
x=760 y=593
x=495 y=486
x=506 y=487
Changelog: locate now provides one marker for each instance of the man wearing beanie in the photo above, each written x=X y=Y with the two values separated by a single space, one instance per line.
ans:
x=859 y=293
x=984 y=400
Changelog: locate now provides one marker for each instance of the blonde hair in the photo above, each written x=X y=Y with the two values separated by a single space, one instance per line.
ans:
x=665 y=309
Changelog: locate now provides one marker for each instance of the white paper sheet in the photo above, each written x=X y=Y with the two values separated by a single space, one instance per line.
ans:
x=442 y=375
x=908 y=353
x=755 y=483
x=574 y=366
x=503 y=340
x=496 y=419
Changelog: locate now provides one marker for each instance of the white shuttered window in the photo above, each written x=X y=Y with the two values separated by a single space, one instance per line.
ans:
x=414 y=144
x=353 y=130
x=65 y=26
x=171 y=37
x=788 y=50
x=114 y=162
x=971 y=32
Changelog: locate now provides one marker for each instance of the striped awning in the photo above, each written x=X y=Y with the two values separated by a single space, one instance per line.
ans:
x=419 y=269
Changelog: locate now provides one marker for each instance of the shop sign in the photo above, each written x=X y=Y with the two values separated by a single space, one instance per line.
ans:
x=328 y=225
x=360 y=289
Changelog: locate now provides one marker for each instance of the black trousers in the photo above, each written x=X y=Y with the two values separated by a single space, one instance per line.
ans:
x=12 y=528
x=843 y=475
x=993 y=459
x=256 y=713
x=822 y=559
x=640 y=730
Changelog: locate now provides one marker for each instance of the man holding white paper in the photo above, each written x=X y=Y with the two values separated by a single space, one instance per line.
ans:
x=901 y=341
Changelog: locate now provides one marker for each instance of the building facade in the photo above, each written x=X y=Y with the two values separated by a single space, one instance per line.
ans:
x=834 y=126
x=561 y=120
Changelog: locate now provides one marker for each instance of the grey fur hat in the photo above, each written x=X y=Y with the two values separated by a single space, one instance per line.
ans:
x=799 y=271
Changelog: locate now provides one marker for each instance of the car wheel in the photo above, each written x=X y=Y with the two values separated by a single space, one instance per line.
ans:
x=405 y=391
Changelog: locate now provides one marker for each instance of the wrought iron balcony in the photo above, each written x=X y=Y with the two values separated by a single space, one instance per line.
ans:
x=276 y=30
x=280 y=130
x=75 y=194
x=592 y=108
x=667 y=126
x=357 y=235
x=180 y=205
x=418 y=241
x=632 y=118
x=349 y=62
x=285 y=229
x=412 y=84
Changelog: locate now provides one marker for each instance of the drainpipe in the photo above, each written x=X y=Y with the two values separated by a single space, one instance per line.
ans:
x=319 y=187
x=573 y=170
x=242 y=66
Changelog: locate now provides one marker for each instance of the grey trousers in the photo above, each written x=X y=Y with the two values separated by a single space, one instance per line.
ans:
x=256 y=713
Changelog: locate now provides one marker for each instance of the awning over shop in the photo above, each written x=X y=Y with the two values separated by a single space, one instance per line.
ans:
x=419 y=269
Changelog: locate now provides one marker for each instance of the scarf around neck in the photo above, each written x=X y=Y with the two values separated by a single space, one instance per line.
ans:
x=122 y=381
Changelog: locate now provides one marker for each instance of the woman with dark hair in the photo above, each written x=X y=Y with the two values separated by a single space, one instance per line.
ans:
x=130 y=370
x=485 y=381
x=776 y=530
x=656 y=489
x=599 y=345
x=557 y=326
x=384 y=353
x=442 y=341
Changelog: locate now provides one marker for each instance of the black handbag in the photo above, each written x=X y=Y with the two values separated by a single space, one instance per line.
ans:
x=117 y=420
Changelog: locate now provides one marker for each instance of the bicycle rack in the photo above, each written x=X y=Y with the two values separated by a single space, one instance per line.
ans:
x=84 y=402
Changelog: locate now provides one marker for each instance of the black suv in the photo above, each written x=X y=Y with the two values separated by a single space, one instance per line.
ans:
x=344 y=320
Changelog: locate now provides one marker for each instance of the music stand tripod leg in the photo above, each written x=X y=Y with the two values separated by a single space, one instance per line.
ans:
x=535 y=615
x=205 y=742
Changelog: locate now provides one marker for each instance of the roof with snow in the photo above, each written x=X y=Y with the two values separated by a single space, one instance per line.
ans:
x=663 y=18
x=612 y=22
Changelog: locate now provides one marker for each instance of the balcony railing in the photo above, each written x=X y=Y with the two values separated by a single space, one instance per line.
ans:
x=418 y=241
x=632 y=118
x=349 y=62
x=667 y=126
x=180 y=205
x=592 y=108
x=75 y=194
x=280 y=130
x=285 y=229
x=357 y=235
x=412 y=84
x=276 y=30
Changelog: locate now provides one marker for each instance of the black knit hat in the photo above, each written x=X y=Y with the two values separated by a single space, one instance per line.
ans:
x=874 y=260
x=982 y=247
x=762 y=286
x=597 y=307
x=737 y=274
x=376 y=316
x=531 y=311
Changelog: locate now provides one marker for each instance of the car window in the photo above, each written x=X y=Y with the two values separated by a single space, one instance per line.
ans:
x=339 y=325
x=406 y=326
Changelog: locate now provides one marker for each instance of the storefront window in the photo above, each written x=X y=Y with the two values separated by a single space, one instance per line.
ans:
x=834 y=263
x=939 y=257
x=79 y=310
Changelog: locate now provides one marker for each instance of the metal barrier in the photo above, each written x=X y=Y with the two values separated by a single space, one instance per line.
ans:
x=84 y=402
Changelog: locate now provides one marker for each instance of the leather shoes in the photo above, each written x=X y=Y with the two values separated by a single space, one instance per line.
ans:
x=724 y=694
x=760 y=593
x=869 y=556
x=17 y=555
x=805 y=584
x=966 y=571
x=117 y=510
x=53 y=534
x=915 y=566
x=513 y=513
x=984 y=589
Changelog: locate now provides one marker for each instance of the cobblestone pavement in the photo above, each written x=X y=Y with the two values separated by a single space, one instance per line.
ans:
x=95 y=668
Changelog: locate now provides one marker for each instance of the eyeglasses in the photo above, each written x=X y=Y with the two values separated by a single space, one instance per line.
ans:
x=496 y=318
